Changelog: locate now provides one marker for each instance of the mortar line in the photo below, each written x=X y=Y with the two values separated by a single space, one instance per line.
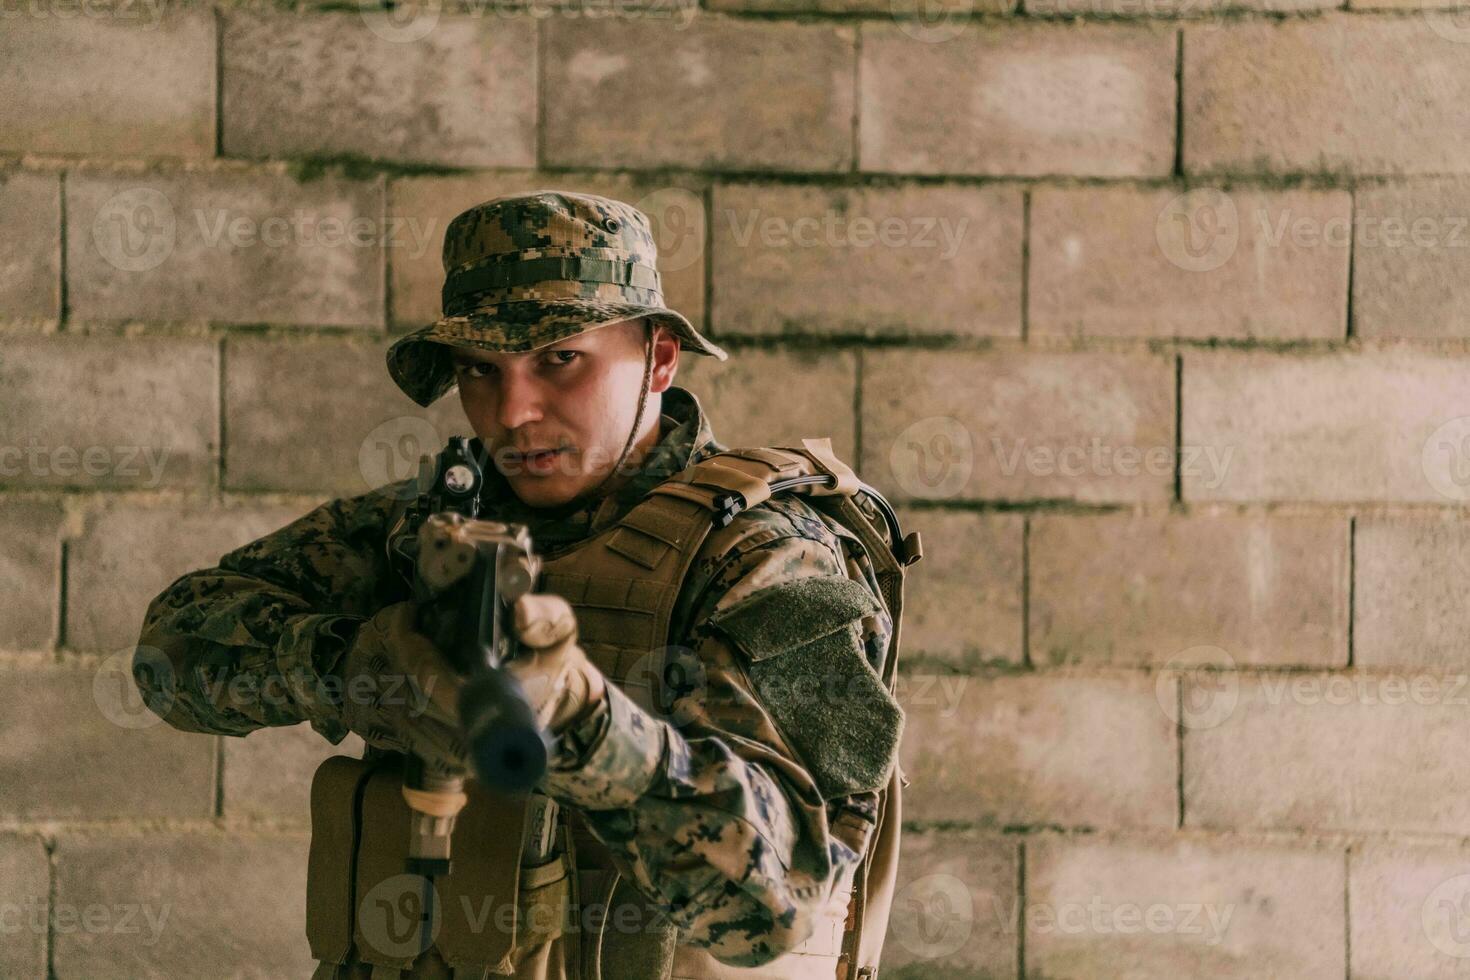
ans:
x=869 y=177
x=63 y=572
x=1025 y=265
x=63 y=299
x=1020 y=916
x=1179 y=730
x=1352 y=595
x=1179 y=102
x=52 y=886
x=1348 y=330
x=385 y=249
x=1178 y=428
x=857 y=99
x=1347 y=913
x=956 y=343
x=707 y=197
x=219 y=776
x=219 y=82
x=539 y=54
x=1021 y=12
x=220 y=427
x=1026 y=592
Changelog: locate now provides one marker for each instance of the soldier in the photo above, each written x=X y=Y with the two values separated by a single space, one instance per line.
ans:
x=747 y=823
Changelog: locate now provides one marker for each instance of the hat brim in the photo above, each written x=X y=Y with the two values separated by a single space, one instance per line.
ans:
x=420 y=363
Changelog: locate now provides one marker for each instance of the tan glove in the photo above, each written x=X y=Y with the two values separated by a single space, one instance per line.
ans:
x=559 y=681
x=399 y=691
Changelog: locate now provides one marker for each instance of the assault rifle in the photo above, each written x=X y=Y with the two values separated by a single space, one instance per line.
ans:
x=468 y=574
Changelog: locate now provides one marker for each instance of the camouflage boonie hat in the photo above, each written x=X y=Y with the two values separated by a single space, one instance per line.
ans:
x=524 y=271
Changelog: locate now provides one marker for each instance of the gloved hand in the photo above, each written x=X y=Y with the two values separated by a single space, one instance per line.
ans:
x=399 y=691
x=552 y=668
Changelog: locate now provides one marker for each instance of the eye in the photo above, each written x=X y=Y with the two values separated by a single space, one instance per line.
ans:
x=472 y=369
x=569 y=355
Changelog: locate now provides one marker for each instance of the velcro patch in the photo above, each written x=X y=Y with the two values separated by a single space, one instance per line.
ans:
x=786 y=615
x=807 y=668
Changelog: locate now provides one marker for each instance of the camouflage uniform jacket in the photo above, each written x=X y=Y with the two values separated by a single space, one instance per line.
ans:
x=714 y=817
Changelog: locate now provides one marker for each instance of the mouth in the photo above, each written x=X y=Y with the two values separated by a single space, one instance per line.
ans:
x=534 y=456
x=536 y=462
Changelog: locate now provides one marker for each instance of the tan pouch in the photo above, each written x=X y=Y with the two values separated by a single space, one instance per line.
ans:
x=329 y=879
x=481 y=911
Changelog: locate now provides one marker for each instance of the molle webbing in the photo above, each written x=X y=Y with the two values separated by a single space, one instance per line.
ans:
x=623 y=585
x=625 y=581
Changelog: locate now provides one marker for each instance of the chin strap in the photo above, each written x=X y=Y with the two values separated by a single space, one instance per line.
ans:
x=593 y=494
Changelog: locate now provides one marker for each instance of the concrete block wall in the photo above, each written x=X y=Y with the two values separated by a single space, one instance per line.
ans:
x=1151 y=316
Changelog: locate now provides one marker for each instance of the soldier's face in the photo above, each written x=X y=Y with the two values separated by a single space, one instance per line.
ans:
x=555 y=419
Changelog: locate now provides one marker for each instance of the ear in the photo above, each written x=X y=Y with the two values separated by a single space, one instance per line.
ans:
x=665 y=358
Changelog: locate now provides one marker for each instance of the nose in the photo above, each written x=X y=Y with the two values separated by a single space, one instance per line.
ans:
x=520 y=400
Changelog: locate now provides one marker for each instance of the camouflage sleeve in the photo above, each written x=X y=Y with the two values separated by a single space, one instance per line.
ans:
x=708 y=807
x=246 y=644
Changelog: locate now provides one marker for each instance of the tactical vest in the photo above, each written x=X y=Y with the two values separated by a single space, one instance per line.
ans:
x=532 y=893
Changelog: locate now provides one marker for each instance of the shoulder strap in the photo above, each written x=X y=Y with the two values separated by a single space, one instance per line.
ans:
x=738 y=479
